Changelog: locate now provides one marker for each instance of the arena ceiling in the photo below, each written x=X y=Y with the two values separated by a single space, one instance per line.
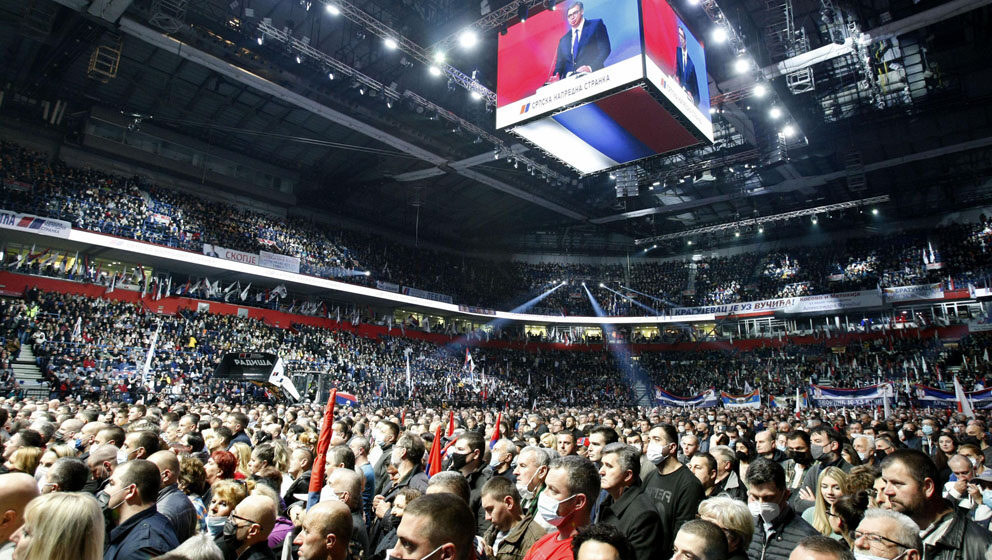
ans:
x=907 y=116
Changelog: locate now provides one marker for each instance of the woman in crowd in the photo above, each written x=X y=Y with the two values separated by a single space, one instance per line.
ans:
x=745 y=452
x=734 y=517
x=847 y=513
x=850 y=455
x=832 y=485
x=25 y=460
x=947 y=446
x=61 y=526
x=227 y=494
x=242 y=451
x=193 y=483
x=220 y=466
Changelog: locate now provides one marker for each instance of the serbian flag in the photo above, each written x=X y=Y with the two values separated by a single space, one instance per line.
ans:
x=451 y=424
x=323 y=443
x=495 y=438
x=346 y=399
x=434 y=457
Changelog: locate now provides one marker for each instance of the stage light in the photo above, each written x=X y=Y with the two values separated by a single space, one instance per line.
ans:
x=693 y=2
x=260 y=41
x=815 y=220
x=333 y=10
x=476 y=96
x=719 y=35
x=522 y=12
x=435 y=71
x=874 y=211
x=390 y=43
x=656 y=183
x=712 y=110
x=361 y=91
x=761 y=230
x=737 y=234
x=468 y=39
x=330 y=75
x=742 y=65
x=759 y=90
x=389 y=104
x=602 y=285
x=368 y=273
x=654 y=246
x=689 y=242
x=298 y=59
x=774 y=113
x=439 y=57
x=788 y=131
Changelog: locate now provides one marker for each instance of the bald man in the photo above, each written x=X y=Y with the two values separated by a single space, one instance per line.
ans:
x=248 y=528
x=326 y=532
x=102 y=461
x=347 y=487
x=16 y=490
x=171 y=502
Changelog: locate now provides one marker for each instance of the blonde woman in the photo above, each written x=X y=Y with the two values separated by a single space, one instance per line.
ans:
x=734 y=517
x=832 y=485
x=242 y=451
x=61 y=526
x=25 y=460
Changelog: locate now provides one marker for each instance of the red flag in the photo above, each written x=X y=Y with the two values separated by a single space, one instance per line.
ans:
x=323 y=443
x=434 y=457
x=403 y=419
x=451 y=424
x=499 y=420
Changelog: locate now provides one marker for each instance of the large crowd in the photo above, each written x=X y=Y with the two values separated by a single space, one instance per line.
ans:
x=130 y=207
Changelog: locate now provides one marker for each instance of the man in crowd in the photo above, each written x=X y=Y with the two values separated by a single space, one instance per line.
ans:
x=703 y=465
x=246 y=534
x=171 y=502
x=727 y=480
x=825 y=446
x=599 y=437
x=435 y=527
x=675 y=491
x=626 y=507
x=700 y=540
x=360 y=447
x=347 y=487
x=16 y=490
x=778 y=528
x=819 y=547
x=888 y=534
x=601 y=542
x=566 y=443
x=910 y=487
x=237 y=422
x=501 y=462
x=467 y=457
x=300 y=462
x=964 y=492
x=138 y=445
x=566 y=504
x=530 y=472
x=764 y=444
x=142 y=531
x=385 y=436
x=688 y=447
x=325 y=532
x=510 y=534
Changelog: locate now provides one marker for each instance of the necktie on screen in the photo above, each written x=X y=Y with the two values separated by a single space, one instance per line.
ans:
x=575 y=44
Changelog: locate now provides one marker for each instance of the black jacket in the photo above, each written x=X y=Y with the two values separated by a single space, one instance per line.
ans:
x=784 y=536
x=635 y=517
x=963 y=540
x=731 y=486
x=381 y=476
x=143 y=536
x=476 y=480
x=258 y=551
x=299 y=486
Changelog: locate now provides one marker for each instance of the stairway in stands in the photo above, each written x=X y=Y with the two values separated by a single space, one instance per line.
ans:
x=27 y=374
x=643 y=394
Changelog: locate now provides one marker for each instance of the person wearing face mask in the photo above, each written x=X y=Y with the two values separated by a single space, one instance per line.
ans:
x=467 y=458
x=626 y=507
x=864 y=445
x=385 y=435
x=675 y=491
x=887 y=535
x=435 y=527
x=246 y=534
x=405 y=456
x=501 y=461
x=141 y=531
x=825 y=448
x=965 y=492
x=778 y=529
x=573 y=486
x=325 y=532
x=531 y=470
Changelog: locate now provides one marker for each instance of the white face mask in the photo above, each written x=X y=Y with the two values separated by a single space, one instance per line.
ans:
x=767 y=511
x=524 y=488
x=495 y=461
x=864 y=556
x=547 y=508
x=656 y=453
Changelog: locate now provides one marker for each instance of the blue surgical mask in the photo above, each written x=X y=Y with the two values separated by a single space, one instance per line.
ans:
x=928 y=429
x=987 y=497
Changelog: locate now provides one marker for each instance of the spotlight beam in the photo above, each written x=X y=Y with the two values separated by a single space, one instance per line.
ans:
x=621 y=351
x=497 y=324
x=632 y=300
x=659 y=300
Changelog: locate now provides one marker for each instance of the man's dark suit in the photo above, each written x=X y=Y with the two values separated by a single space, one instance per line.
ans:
x=686 y=74
x=592 y=50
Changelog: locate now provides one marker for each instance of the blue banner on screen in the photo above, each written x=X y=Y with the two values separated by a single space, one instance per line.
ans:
x=560 y=57
x=832 y=396
x=935 y=398
x=702 y=400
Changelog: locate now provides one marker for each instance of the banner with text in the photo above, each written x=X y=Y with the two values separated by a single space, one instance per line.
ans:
x=914 y=293
x=28 y=222
x=284 y=263
x=229 y=254
x=433 y=296
x=833 y=396
x=802 y=304
x=705 y=399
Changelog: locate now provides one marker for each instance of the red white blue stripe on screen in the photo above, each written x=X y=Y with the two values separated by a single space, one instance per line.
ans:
x=345 y=399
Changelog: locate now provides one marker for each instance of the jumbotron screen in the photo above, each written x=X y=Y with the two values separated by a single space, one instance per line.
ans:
x=559 y=57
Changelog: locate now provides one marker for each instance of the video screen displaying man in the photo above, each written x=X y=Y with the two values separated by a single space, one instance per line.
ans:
x=685 y=70
x=583 y=48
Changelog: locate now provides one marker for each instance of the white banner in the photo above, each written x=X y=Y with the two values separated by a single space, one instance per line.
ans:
x=426 y=295
x=803 y=304
x=229 y=254
x=387 y=286
x=914 y=293
x=28 y=222
x=279 y=262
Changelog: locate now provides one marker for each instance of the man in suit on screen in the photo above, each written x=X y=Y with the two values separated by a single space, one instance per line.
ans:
x=685 y=70
x=584 y=47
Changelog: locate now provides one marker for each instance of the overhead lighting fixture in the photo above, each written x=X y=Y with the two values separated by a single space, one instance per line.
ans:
x=602 y=285
x=361 y=90
x=522 y=12
x=298 y=59
x=774 y=113
x=759 y=90
x=475 y=95
x=692 y=2
x=468 y=39
x=656 y=183
x=742 y=65
x=260 y=41
x=788 y=131
x=815 y=220
x=389 y=104
x=390 y=43
x=435 y=71
x=689 y=242
x=712 y=110
x=761 y=230
x=719 y=35
x=439 y=57
x=737 y=234
x=874 y=211
x=333 y=10
x=330 y=75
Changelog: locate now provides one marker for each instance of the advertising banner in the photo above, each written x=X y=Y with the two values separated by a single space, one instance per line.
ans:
x=433 y=296
x=229 y=254
x=28 y=222
x=705 y=399
x=914 y=293
x=750 y=400
x=387 y=286
x=284 y=263
x=260 y=368
x=557 y=58
x=833 y=396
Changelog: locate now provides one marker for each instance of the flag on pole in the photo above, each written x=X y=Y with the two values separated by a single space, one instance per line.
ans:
x=323 y=443
x=964 y=405
x=451 y=424
x=434 y=457
x=798 y=403
x=885 y=403
x=409 y=378
x=495 y=438
x=147 y=369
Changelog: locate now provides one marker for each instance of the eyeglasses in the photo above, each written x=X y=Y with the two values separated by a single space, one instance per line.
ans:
x=878 y=539
x=239 y=518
